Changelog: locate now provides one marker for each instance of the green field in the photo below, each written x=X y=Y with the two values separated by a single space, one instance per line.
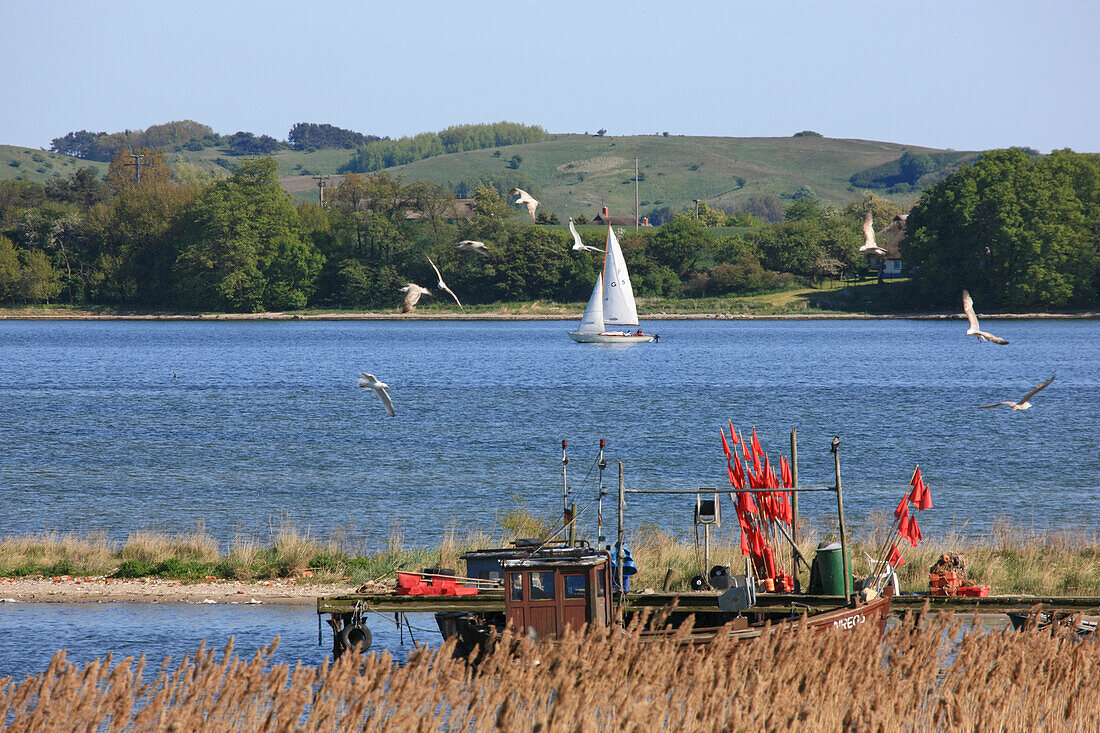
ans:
x=575 y=174
x=28 y=164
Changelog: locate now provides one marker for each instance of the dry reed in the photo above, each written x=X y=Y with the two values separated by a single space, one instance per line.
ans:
x=939 y=678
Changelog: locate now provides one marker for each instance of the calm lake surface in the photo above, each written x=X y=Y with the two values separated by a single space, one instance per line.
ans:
x=119 y=426
x=126 y=425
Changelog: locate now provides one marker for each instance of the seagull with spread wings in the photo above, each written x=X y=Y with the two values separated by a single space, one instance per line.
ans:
x=1022 y=403
x=442 y=285
x=975 y=329
x=369 y=381
x=469 y=245
x=526 y=199
x=412 y=293
x=578 y=245
x=869 y=244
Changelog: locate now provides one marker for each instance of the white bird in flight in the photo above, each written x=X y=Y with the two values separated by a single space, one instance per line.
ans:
x=975 y=329
x=412 y=293
x=442 y=285
x=526 y=199
x=369 y=381
x=578 y=245
x=1022 y=403
x=869 y=244
x=469 y=245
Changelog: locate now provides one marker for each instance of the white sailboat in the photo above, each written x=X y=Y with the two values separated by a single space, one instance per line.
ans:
x=611 y=305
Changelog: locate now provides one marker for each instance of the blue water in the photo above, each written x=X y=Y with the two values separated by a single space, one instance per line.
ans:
x=119 y=426
x=30 y=633
x=124 y=425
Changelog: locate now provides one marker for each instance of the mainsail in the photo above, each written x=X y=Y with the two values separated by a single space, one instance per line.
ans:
x=618 y=297
x=592 y=320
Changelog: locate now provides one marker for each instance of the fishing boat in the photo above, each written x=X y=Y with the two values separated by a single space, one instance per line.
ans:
x=541 y=587
x=611 y=316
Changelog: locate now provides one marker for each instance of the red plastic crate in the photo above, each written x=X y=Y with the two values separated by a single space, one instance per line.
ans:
x=408 y=580
x=976 y=591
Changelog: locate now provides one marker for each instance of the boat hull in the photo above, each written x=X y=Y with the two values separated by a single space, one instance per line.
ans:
x=610 y=338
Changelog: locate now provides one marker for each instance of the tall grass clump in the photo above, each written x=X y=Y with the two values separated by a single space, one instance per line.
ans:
x=52 y=553
x=943 y=677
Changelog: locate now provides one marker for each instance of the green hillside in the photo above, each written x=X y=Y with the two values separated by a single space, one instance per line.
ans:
x=578 y=174
x=28 y=164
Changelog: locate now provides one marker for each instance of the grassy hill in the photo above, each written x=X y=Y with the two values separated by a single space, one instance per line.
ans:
x=29 y=164
x=578 y=174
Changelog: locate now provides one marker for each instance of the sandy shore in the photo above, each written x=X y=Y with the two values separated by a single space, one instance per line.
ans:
x=154 y=590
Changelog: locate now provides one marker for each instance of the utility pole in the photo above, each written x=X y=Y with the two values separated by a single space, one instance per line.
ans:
x=635 y=194
x=321 y=183
x=137 y=167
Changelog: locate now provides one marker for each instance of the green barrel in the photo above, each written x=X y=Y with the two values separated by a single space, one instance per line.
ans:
x=827 y=571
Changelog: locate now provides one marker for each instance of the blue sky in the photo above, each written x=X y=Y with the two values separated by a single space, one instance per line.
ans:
x=962 y=75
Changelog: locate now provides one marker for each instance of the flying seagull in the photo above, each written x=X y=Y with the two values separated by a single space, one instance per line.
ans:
x=1023 y=403
x=469 y=245
x=442 y=285
x=578 y=245
x=975 y=329
x=369 y=381
x=526 y=199
x=412 y=293
x=869 y=244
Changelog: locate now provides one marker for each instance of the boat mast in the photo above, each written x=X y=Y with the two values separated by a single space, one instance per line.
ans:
x=602 y=464
x=564 y=482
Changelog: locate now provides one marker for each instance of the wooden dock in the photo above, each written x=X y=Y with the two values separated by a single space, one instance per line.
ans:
x=778 y=604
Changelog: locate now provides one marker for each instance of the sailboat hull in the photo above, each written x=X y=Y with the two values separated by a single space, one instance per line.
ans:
x=610 y=338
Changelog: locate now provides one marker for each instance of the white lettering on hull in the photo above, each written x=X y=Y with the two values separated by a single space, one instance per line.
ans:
x=849 y=622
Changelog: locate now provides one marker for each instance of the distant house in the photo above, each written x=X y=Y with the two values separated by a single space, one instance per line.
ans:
x=889 y=238
x=619 y=220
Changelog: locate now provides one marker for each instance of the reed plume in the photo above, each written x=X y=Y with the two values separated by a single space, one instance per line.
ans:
x=946 y=676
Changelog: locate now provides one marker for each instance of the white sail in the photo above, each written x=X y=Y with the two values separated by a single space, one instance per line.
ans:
x=592 y=320
x=618 y=297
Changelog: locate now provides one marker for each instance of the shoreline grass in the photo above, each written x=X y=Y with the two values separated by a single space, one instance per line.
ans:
x=1009 y=558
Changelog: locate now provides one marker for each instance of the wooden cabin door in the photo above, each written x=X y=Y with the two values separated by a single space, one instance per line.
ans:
x=574 y=600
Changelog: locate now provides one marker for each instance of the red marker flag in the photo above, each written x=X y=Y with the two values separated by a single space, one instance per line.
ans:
x=738 y=472
x=745 y=504
x=894 y=558
x=756 y=449
x=733 y=434
x=913 y=533
x=785 y=470
x=745 y=449
x=725 y=445
x=902 y=512
x=920 y=496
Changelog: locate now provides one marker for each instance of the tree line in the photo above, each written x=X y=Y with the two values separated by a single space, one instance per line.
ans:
x=1013 y=229
x=387 y=153
x=1017 y=229
x=190 y=135
x=173 y=241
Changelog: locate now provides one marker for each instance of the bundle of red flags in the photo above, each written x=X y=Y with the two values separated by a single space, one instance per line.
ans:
x=905 y=524
x=759 y=513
